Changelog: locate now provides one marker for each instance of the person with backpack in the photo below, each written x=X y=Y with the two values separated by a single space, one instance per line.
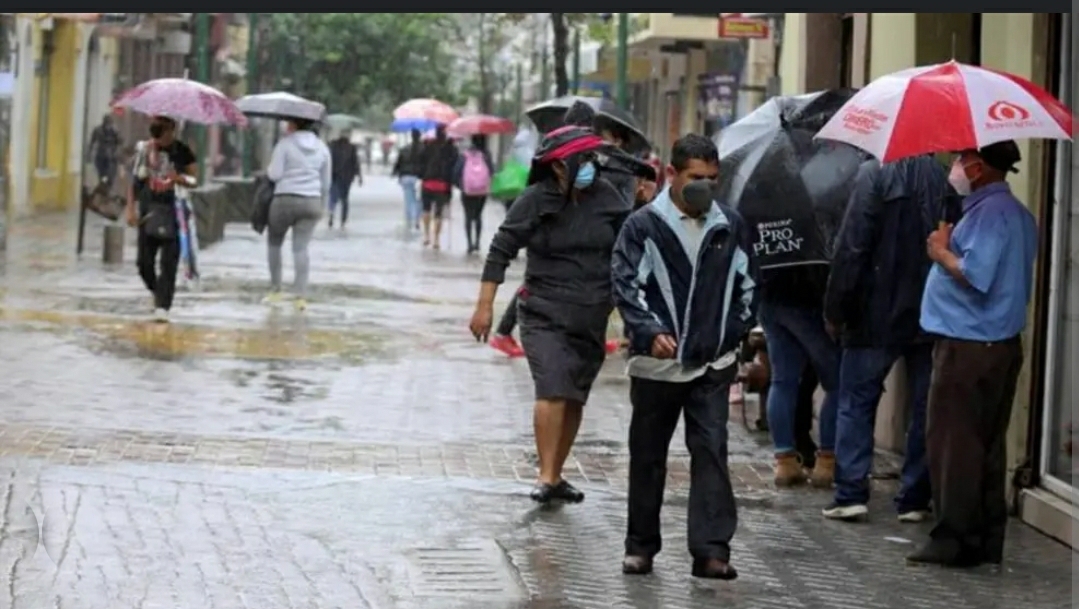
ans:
x=474 y=171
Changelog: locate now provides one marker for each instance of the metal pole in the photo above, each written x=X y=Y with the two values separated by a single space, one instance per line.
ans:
x=252 y=85
x=202 y=74
x=520 y=94
x=623 y=60
x=545 y=79
x=576 y=61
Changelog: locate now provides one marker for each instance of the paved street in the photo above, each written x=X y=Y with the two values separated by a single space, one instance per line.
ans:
x=367 y=453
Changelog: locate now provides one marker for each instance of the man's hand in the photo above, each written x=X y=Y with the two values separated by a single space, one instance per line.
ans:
x=482 y=319
x=938 y=243
x=664 y=346
x=132 y=216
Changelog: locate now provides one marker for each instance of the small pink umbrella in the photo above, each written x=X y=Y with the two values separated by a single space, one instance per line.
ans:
x=480 y=124
x=426 y=110
x=181 y=99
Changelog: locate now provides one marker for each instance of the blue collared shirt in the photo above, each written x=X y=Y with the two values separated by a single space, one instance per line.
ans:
x=997 y=243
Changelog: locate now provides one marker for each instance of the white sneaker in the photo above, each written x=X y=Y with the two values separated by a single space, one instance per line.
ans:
x=914 y=516
x=845 y=512
x=161 y=315
x=300 y=304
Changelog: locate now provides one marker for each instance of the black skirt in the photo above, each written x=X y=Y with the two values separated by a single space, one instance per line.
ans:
x=565 y=345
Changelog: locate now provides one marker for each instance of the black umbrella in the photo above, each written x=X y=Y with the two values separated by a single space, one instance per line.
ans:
x=549 y=115
x=791 y=188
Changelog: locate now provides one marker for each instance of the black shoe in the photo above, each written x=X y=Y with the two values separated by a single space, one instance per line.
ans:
x=947 y=553
x=713 y=568
x=542 y=492
x=568 y=493
x=637 y=565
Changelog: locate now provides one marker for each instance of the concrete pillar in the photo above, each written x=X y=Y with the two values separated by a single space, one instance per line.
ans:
x=859 y=76
x=792 y=54
x=112 y=250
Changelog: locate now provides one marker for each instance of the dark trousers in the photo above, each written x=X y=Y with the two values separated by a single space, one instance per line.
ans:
x=473 y=219
x=339 y=190
x=970 y=405
x=713 y=515
x=509 y=318
x=163 y=283
x=803 y=417
x=861 y=383
x=106 y=169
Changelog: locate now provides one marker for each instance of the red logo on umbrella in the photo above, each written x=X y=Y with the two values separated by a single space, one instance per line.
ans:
x=1007 y=111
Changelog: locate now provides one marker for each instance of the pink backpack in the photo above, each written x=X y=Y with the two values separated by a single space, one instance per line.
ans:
x=476 y=177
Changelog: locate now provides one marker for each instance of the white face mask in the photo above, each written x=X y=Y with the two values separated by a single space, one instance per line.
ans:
x=958 y=179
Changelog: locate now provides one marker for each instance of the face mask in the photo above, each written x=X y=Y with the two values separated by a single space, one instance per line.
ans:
x=157 y=130
x=698 y=196
x=585 y=176
x=959 y=180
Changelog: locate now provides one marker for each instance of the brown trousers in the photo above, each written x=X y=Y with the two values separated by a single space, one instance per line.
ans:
x=970 y=406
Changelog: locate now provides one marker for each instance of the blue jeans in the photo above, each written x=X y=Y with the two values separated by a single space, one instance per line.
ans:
x=339 y=194
x=861 y=383
x=413 y=208
x=796 y=336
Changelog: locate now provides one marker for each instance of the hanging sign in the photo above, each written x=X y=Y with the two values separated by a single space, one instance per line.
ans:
x=743 y=27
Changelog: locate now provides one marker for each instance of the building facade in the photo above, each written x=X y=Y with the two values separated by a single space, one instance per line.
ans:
x=823 y=50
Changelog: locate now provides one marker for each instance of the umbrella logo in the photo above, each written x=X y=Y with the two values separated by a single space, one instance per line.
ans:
x=1003 y=111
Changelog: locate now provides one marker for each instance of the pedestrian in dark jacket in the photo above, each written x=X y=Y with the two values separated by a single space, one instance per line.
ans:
x=439 y=159
x=407 y=169
x=567 y=219
x=873 y=303
x=684 y=283
x=345 y=163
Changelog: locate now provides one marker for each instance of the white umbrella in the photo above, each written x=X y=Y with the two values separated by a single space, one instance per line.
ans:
x=281 y=105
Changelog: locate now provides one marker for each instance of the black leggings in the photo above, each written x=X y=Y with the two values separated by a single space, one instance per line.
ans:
x=163 y=284
x=473 y=219
x=509 y=319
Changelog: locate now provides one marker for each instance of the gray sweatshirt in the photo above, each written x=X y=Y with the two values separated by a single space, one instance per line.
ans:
x=300 y=165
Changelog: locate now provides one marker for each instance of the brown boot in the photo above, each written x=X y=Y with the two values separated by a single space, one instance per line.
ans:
x=823 y=474
x=788 y=470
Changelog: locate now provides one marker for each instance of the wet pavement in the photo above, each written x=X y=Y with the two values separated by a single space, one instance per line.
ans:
x=365 y=453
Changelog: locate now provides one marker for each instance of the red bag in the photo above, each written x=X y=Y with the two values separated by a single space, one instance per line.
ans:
x=435 y=186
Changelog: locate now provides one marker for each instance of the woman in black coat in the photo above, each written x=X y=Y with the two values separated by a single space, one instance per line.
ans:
x=567 y=220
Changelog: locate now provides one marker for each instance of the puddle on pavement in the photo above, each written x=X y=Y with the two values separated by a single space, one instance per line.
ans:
x=281 y=338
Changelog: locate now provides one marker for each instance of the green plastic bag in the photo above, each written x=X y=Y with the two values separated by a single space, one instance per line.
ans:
x=510 y=181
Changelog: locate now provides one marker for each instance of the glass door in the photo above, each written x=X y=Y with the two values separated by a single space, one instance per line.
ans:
x=1060 y=432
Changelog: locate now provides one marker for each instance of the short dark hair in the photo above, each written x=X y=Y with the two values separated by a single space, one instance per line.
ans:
x=302 y=124
x=693 y=146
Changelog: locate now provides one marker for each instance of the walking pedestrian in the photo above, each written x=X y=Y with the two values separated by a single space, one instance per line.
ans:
x=407 y=169
x=567 y=219
x=791 y=313
x=473 y=176
x=684 y=283
x=872 y=305
x=104 y=149
x=975 y=304
x=345 y=160
x=162 y=163
x=301 y=170
x=439 y=159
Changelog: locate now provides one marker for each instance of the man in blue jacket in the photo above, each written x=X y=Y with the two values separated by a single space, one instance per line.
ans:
x=685 y=285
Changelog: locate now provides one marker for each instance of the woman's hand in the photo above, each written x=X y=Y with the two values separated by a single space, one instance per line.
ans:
x=132 y=216
x=482 y=319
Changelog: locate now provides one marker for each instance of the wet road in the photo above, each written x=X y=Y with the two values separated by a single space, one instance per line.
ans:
x=364 y=453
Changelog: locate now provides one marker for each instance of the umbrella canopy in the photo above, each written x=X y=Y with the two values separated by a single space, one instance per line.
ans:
x=480 y=124
x=792 y=188
x=426 y=109
x=548 y=115
x=181 y=99
x=404 y=125
x=343 y=122
x=946 y=108
x=281 y=106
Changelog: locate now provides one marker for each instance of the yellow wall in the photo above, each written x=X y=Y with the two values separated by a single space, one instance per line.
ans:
x=891 y=43
x=51 y=186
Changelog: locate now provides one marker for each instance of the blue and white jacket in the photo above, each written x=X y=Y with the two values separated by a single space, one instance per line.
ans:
x=708 y=304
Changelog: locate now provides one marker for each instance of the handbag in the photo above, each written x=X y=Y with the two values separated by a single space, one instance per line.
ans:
x=160 y=223
x=260 y=211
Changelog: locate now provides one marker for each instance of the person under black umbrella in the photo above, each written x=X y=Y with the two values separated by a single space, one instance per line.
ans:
x=567 y=219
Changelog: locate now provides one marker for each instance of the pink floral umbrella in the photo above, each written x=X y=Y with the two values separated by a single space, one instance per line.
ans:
x=480 y=124
x=181 y=99
x=426 y=110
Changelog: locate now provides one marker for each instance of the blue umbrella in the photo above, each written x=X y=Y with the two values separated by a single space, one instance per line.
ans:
x=403 y=125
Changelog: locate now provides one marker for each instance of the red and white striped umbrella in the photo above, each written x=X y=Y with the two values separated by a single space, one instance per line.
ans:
x=946 y=107
x=480 y=124
x=181 y=99
x=426 y=109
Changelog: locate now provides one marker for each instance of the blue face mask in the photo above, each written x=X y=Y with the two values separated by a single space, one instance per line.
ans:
x=585 y=176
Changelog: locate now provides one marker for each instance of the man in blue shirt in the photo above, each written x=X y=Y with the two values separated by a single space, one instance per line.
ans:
x=975 y=304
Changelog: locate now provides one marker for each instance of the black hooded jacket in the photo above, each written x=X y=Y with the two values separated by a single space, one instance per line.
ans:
x=878 y=272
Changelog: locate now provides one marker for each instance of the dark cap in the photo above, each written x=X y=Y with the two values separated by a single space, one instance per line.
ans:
x=1001 y=156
